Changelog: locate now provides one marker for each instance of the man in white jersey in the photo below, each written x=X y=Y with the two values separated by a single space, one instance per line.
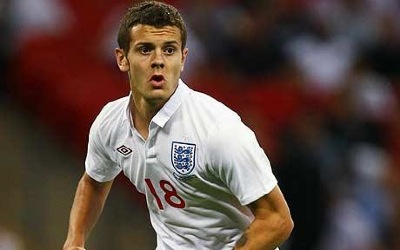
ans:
x=207 y=182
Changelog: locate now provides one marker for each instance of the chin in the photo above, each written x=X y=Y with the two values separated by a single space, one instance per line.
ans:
x=157 y=95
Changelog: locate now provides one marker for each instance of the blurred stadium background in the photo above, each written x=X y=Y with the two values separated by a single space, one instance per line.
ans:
x=318 y=81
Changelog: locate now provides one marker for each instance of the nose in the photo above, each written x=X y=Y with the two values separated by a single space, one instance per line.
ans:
x=158 y=60
x=157 y=65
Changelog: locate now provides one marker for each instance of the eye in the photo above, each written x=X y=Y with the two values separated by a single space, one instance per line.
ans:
x=145 y=50
x=169 y=50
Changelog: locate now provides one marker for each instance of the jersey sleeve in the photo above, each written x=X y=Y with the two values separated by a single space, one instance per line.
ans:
x=240 y=163
x=99 y=164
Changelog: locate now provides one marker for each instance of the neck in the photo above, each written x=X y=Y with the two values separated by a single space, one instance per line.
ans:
x=142 y=112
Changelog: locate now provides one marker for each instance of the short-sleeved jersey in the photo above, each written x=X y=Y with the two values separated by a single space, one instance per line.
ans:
x=198 y=168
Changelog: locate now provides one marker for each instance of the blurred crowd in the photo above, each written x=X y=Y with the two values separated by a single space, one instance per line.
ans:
x=318 y=81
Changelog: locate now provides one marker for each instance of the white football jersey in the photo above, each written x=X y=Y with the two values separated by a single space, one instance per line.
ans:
x=198 y=168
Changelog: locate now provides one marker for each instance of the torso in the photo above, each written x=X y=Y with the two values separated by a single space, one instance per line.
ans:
x=190 y=206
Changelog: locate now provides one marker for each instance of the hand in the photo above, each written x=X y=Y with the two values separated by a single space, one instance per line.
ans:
x=75 y=248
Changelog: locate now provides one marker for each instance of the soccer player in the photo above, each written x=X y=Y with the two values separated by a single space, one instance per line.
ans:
x=207 y=182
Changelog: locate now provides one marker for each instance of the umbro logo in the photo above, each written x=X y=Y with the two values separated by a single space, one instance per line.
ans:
x=124 y=150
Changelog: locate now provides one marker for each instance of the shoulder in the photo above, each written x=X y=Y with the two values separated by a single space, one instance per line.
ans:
x=111 y=115
x=209 y=108
x=225 y=128
x=231 y=136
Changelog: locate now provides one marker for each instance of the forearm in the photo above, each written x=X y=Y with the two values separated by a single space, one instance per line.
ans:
x=87 y=206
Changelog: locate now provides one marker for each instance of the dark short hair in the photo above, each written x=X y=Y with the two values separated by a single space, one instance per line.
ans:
x=151 y=13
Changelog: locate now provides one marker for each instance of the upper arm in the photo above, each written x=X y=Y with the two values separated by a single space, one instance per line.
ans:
x=100 y=162
x=91 y=192
x=271 y=203
x=273 y=208
x=102 y=188
x=240 y=162
x=272 y=223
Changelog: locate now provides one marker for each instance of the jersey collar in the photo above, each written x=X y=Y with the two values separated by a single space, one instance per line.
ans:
x=165 y=113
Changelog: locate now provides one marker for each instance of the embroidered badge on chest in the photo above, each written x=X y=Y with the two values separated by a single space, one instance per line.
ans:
x=183 y=158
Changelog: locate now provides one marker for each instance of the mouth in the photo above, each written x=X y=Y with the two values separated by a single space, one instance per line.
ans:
x=157 y=80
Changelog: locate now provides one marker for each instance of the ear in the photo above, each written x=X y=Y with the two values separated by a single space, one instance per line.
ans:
x=184 y=55
x=122 y=61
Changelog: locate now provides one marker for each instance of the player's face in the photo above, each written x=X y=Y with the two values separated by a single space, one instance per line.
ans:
x=154 y=62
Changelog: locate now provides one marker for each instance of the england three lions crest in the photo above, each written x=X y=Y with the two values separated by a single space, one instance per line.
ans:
x=183 y=157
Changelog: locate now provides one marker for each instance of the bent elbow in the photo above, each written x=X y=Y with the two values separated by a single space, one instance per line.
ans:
x=283 y=228
x=287 y=227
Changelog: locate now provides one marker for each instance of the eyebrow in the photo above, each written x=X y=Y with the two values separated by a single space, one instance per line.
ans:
x=172 y=42
x=152 y=44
